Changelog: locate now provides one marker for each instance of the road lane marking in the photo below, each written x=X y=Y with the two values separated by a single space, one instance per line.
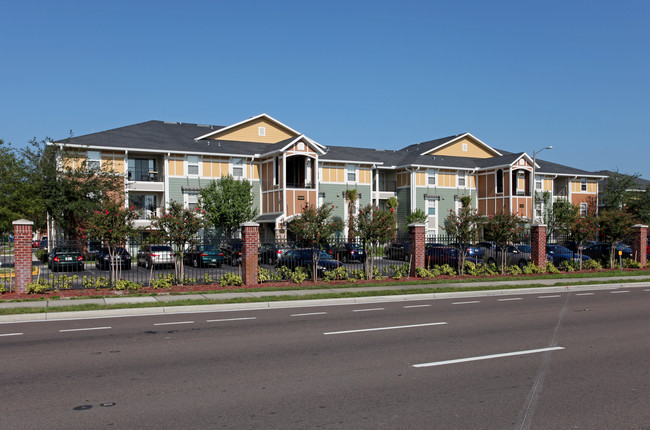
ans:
x=11 y=334
x=618 y=292
x=175 y=322
x=466 y=303
x=309 y=314
x=488 y=357
x=84 y=329
x=514 y=298
x=384 y=328
x=232 y=319
x=368 y=310
x=584 y=294
x=549 y=297
x=416 y=306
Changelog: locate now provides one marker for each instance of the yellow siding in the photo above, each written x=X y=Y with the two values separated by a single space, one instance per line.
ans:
x=249 y=132
x=472 y=181
x=547 y=185
x=420 y=179
x=403 y=179
x=447 y=179
x=256 y=171
x=364 y=176
x=474 y=149
x=591 y=187
x=176 y=168
x=113 y=162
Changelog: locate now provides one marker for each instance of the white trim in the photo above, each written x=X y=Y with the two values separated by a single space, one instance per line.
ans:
x=313 y=145
x=449 y=142
x=256 y=117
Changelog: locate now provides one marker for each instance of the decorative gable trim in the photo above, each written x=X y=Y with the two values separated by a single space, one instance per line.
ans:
x=254 y=118
x=462 y=136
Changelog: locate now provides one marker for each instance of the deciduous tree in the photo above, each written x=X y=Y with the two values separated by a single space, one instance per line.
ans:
x=503 y=229
x=228 y=202
x=374 y=226
x=463 y=228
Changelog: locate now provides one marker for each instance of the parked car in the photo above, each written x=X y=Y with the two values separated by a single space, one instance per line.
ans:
x=516 y=255
x=347 y=252
x=36 y=244
x=232 y=252
x=573 y=246
x=470 y=250
x=121 y=257
x=65 y=258
x=43 y=242
x=440 y=255
x=398 y=251
x=601 y=252
x=303 y=258
x=155 y=255
x=204 y=255
x=269 y=253
x=558 y=253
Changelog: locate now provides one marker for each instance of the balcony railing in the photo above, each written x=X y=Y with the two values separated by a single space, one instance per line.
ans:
x=300 y=185
x=143 y=176
x=387 y=185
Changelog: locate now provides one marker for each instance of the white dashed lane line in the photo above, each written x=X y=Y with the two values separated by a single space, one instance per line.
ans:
x=175 y=322
x=11 y=334
x=232 y=319
x=618 y=292
x=549 y=297
x=416 y=306
x=84 y=329
x=466 y=303
x=368 y=310
x=584 y=294
x=384 y=328
x=309 y=314
x=488 y=357
x=508 y=300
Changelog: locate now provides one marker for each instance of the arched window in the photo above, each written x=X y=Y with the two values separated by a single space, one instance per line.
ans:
x=499 y=180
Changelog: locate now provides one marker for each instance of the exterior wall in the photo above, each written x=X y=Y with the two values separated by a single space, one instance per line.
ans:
x=465 y=148
x=446 y=203
x=113 y=161
x=176 y=185
x=333 y=173
x=249 y=132
x=403 y=208
x=403 y=179
x=214 y=167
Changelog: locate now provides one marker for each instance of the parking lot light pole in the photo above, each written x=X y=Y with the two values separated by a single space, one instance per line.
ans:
x=533 y=181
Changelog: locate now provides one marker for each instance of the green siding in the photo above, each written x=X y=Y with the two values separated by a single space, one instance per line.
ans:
x=403 y=207
x=446 y=202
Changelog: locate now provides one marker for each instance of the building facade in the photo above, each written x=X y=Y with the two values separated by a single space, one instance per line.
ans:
x=166 y=161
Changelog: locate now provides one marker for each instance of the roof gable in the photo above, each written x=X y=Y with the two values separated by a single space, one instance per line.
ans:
x=464 y=145
x=261 y=128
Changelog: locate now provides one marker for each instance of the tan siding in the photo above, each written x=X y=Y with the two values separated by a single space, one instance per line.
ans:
x=420 y=179
x=176 y=168
x=249 y=132
x=474 y=150
x=547 y=184
x=447 y=179
x=364 y=176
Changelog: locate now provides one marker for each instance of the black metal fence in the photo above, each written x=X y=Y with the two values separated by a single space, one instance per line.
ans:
x=7 y=272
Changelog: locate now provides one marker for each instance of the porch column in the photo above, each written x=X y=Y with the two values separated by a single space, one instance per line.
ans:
x=640 y=244
x=23 y=254
x=250 y=238
x=416 y=251
x=538 y=244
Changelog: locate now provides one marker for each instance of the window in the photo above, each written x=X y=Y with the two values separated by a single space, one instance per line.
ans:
x=301 y=146
x=583 y=209
x=461 y=179
x=237 y=167
x=193 y=165
x=583 y=184
x=499 y=181
x=261 y=131
x=276 y=167
x=94 y=160
x=431 y=177
x=352 y=172
x=464 y=147
x=191 y=199
x=431 y=206
x=538 y=182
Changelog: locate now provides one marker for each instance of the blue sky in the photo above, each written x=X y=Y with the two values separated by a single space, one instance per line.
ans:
x=382 y=74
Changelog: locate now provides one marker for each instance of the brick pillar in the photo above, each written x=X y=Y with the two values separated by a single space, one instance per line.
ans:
x=416 y=247
x=538 y=244
x=640 y=244
x=250 y=235
x=23 y=254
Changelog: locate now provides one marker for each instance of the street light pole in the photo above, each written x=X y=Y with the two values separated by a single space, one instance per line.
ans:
x=533 y=181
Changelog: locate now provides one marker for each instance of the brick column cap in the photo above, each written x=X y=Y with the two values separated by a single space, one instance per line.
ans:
x=417 y=224
x=249 y=224
x=23 y=222
x=639 y=226
x=538 y=225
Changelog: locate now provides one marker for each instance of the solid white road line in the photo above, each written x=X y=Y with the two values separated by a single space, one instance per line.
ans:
x=232 y=319
x=309 y=314
x=367 y=310
x=84 y=329
x=466 y=303
x=487 y=357
x=384 y=328
x=175 y=322
x=584 y=294
x=11 y=334
x=548 y=297
x=417 y=306
x=618 y=292
x=508 y=300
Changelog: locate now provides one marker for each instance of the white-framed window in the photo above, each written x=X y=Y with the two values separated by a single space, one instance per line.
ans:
x=301 y=146
x=193 y=165
x=499 y=181
x=461 y=179
x=583 y=184
x=521 y=182
x=538 y=182
x=431 y=209
x=464 y=147
x=276 y=167
x=94 y=160
x=583 y=209
x=431 y=177
x=237 y=166
x=191 y=199
x=261 y=131
x=321 y=199
x=351 y=170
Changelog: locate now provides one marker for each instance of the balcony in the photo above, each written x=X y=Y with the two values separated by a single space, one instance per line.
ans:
x=302 y=186
x=387 y=186
x=144 y=180
x=144 y=216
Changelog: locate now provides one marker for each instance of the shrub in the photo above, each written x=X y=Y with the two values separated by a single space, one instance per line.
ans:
x=41 y=254
x=591 y=265
x=264 y=275
x=531 y=268
x=124 y=284
x=2 y=289
x=163 y=281
x=629 y=263
x=550 y=268
x=230 y=279
x=299 y=275
x=377 y=274
x=513 y=270
x=340 y=273
x=569 y=266
x=446 y=269
x=207 y=279
x=424 y=273
x=62 y=282
x=399 y=271
x=470 y=268
x=39 y=287
x=358 y=274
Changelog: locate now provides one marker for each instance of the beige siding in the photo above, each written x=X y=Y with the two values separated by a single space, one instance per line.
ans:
x=447 y=179
x=420 y=179
x=364 y=176
x=249 y=132
x=473 y=149
x=176 y=168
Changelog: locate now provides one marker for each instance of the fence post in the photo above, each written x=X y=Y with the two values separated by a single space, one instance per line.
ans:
x=538 y=244
x=23 y=254
x=640 y=244
x=416 y=251
x=250 y=236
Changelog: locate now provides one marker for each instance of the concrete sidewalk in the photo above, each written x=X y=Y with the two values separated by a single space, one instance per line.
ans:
x=43 y=311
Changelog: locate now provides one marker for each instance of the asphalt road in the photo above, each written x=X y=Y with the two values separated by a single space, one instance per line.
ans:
x=538 y=361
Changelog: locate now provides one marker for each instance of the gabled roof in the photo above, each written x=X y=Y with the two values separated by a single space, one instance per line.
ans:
x=213 y=134
x=290 y=142
x=502 y=161
x=430 y=146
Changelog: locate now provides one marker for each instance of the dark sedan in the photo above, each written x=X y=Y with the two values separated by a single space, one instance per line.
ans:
x=347 y=252
x=303 y=258
x=398 y=251
x=204 y=255
x=67 y=259
x=120 y=257
x=269 y=253
x=600 y=252
x=445 y=255
x=559 y=253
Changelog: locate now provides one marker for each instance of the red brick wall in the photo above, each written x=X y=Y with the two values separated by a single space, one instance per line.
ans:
x=250 y=236
x=23 y=254
x=640 y=244
x=416 y=247
x=538 y=245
